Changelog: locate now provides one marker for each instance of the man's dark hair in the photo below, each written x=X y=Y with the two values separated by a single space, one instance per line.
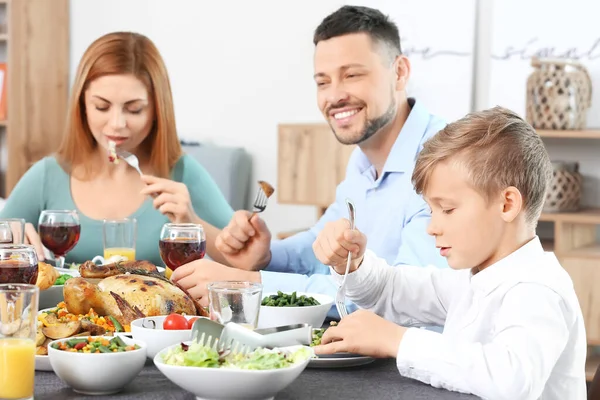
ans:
x=357 y=19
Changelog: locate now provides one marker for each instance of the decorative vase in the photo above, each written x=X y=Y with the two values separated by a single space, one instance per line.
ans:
x=559 y=94
x=564 y=193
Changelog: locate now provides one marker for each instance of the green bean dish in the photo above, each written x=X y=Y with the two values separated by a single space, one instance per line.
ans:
x=289 y=300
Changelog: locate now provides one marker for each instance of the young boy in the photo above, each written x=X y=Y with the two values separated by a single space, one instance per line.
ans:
x=513 y=324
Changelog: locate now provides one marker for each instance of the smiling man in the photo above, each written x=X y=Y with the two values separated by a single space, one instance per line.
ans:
x=361 y=77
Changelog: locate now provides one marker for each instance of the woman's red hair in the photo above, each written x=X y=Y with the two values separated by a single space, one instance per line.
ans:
x=122 y=53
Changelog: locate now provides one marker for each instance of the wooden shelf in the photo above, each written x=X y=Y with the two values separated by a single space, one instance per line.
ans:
x=3 y=37
x=3 y=123
x=585 y=216
x=583 y=134
x=591 y=251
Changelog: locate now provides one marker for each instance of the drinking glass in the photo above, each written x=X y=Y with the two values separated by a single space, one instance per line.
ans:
x=181 y=243
x=232 y=301
x=59 y=232
x=16 y=232
x=18 y=316
x=119 y=236
x=18 y=264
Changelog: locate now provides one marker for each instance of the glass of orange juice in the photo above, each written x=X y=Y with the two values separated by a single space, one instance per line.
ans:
x=119 y=238
x=18 y=316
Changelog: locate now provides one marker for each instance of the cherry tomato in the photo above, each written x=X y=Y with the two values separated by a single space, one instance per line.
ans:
x=191 y=322
x=175 y=322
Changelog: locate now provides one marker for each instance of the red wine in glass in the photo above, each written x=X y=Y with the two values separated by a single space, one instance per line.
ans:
x=59 y=231
x=181 y=243
x=18 y=272
x=18 y=264
x=60 y=238
x=179 y=251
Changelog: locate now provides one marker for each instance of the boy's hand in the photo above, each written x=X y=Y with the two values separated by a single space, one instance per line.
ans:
x=335 y=241
x=362 y=332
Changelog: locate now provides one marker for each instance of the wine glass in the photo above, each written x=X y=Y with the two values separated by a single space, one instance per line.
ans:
x=181 y=243
x=16 y=233
x=6 y=235
x=18 y=264
x=59 y=232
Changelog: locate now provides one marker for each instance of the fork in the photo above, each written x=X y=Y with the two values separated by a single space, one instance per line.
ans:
x=130 y=159
x=340 y=297
x=260 y=202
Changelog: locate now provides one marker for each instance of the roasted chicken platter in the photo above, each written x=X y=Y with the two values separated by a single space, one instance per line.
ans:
x=107 y=298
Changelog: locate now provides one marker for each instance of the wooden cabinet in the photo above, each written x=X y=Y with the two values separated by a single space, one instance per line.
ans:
x=311 y=163
x=36 y=48
x=576 y=243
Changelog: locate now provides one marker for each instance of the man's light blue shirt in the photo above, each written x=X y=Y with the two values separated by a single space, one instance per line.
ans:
x=388 y=211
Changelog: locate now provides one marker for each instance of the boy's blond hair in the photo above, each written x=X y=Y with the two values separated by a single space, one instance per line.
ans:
x=498 y=149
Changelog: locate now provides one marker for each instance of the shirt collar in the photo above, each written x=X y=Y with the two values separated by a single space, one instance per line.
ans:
x=406 y=147
x=507 y=268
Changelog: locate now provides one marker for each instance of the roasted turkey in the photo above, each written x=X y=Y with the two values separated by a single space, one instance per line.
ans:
x=127 y=291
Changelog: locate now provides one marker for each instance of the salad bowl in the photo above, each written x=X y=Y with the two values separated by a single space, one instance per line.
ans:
x=257 y=375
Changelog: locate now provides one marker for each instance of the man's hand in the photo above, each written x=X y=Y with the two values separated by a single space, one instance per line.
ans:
x=334 y=243
x=362 y=332
x=195 y=277
x=245 y=244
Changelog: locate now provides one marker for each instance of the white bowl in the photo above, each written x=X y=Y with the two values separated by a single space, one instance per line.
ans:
x=97 y=374
x=159 y=338
x=313 y=315
x=231 y=384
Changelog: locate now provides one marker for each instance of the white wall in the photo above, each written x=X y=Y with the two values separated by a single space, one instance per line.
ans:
x=238 y=68
x=547 y=28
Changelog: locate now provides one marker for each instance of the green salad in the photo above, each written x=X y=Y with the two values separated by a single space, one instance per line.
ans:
x=197 y=355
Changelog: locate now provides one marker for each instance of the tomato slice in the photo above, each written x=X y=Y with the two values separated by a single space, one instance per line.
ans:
x=175 y=322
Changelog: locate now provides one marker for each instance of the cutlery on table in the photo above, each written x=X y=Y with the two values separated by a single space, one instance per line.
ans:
x=340 y=298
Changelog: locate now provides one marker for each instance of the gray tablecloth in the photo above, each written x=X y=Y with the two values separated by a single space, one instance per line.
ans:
x=378 y=380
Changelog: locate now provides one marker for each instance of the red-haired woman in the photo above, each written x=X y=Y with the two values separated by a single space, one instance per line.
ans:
x=121 y=94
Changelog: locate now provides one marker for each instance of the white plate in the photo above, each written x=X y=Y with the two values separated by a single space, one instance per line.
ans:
x=339 y=360
x=42 y=363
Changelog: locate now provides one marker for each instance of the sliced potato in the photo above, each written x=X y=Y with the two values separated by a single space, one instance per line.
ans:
x=50 y=319
x=41 y=351
x=62 y=330
x=39 y=337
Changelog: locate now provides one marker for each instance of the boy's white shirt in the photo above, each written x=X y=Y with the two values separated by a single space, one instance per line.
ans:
x=512 y=331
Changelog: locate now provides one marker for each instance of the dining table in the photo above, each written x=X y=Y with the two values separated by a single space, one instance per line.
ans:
x=377 y=380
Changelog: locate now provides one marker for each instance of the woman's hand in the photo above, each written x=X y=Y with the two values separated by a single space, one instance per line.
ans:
x=32 y=237
x=170 y=198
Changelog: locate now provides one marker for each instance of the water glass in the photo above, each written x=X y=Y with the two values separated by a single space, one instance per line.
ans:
x=119 y=237
x=18 y=316
x=238 y=302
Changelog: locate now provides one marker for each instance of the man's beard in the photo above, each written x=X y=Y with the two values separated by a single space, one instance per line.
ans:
x=372 y=126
